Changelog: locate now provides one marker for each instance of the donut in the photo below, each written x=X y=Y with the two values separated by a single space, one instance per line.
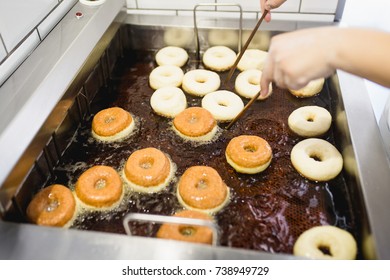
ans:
x=201 y=188
x=261 y=39
x=252 y=59
x=112 y=124
x=248 y=154
x=199 y=82
x=54 y=206
x=312 y=88
x=326 y=242
x=99 y=187
x=172 y=56
x=223 y=37
x=195 y=124
x=179 y=37
x=148 y=170
x=224 y=105
x=166 y=75
x=248 y=84
x=219 y=58
x=316 y=159
x=188 y=233
x=310 y=121
x=168 y=101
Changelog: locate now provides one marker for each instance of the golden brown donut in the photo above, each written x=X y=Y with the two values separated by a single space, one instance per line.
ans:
x=201 y=188
x=195 y=123
x=148 y=170
x=248 y=154
x=112 y=124
x=52 y=206
x=188 y=233
x=100 y=186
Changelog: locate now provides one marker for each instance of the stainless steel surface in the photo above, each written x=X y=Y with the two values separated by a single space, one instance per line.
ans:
x=384 y=125
x=196 y=30
x=369 y=163
x=22 y=241
x=170 y=220
x=360 y=141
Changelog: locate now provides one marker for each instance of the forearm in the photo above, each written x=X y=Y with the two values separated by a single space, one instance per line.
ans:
x=363 y=52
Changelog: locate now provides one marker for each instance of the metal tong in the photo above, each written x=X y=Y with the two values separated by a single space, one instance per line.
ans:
x=235 y=66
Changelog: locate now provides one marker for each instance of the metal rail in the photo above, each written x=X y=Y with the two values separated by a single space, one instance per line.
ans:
x=196 y=30
x=170 y=220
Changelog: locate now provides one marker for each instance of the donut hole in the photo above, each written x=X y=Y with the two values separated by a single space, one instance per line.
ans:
x=250 y=148
x=254 y=81
x=325 y=249
x=201 y=79
x=146 y=163
x=109 y=119
x=187 y=230
x=219 y=54
x=316 y=156
x=310 y=118
x=223 y=104
x=166 y=74
x=193 y=119
x=52 y=204
x=201 y=185
x=100 y=184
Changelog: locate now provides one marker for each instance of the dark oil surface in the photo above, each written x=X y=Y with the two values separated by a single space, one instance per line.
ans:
x=267 y=211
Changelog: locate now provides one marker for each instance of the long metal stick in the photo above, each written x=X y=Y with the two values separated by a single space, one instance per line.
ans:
x=241 y=53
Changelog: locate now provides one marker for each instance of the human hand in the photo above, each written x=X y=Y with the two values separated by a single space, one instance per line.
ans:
x=269 y=5
x=296 y=58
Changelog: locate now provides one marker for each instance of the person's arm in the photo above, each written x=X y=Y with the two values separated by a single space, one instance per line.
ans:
x=296 y=58
x=269 y=5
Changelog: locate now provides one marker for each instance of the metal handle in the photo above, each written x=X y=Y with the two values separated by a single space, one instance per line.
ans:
x=170 y=220
x=215 y=5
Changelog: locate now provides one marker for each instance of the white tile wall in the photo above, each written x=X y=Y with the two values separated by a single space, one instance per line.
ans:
x=323 y=10
x=19 y=55
x=319 y=6
x=169 y=4
x=23 y=24
x=51 y=20
x=19 y=17
x=3 y=52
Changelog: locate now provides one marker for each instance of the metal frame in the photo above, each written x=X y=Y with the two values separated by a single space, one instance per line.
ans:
x=196 y=30
x=170 y=220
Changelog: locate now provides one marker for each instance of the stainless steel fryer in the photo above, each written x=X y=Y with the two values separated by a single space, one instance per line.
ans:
x=368 y=184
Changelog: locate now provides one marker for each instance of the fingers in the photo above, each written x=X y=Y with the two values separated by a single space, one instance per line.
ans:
x=266 y=79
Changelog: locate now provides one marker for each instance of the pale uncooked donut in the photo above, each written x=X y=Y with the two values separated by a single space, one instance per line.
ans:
x=224 y=105
x=199 y=82
x=219 y=58
x=312 y=88
x=252 y=59
x=310 y=121
x=248 y=84
x=225 y=37
x=179 y=37
x=316 y=159
x=166 y=75
x=168 y=101
x=340 y=243
x=172 y=56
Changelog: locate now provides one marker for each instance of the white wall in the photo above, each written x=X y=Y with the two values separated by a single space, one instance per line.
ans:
x=370 y=14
